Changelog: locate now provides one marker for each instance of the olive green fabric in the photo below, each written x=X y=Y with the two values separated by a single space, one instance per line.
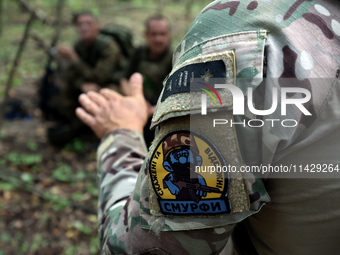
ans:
x=154 y=71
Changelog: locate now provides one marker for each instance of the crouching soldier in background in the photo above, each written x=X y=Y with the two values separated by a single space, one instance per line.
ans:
x=88 y=66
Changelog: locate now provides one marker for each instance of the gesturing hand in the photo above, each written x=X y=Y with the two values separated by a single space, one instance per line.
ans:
x=107 y=110
x=67 y=52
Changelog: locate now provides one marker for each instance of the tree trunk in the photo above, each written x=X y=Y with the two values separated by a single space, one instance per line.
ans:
x=55 y=38
x=1 y=16
x=14 y=67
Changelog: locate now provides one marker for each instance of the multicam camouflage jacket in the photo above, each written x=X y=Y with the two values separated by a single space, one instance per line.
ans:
x=182 y=196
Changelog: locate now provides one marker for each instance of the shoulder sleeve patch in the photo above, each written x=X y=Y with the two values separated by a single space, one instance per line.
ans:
x=165 y=208
x=179 y=176
x=179 y=87
x=227 y=153
x=182 y=79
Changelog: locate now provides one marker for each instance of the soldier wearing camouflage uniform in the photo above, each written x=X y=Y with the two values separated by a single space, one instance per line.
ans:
x=154 y=62
x=88 y=66
x=281 y=40
x=95 y=66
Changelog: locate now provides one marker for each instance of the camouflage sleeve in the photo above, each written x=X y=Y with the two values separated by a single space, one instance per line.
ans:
x=102 y=72
x=120 y=156
x=121 y=211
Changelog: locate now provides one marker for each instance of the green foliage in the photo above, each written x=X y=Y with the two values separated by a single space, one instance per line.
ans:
x=3 y=78
x=2 y=162
x=60 y=203
x=95 y=11
x=14 y=181
x=80 y=175
x=45 y=217
x=139 y=3
x=5 y=238
x=82 y=227
x=32 y=146
x=94 y=245
x=16 y=81
x=77 y=145
x=75 y=5
x=30 y=159
x=18 y=236
x=92 y=189
x=26 y=177
x=23 y=159
x=76 y=196
x=5 y=186
x=35 y=168
x=63 y=173
x=72 y=250
x=14 y=158
x=25 y=246
x=38 y=240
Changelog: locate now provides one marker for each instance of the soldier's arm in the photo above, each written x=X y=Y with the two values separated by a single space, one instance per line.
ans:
x=151 y=219
x=123 y=209
x=104 y=67
x=120 y=221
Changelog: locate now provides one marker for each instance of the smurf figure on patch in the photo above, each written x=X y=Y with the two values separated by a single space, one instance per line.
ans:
x=177 y=160
x=179 y=188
